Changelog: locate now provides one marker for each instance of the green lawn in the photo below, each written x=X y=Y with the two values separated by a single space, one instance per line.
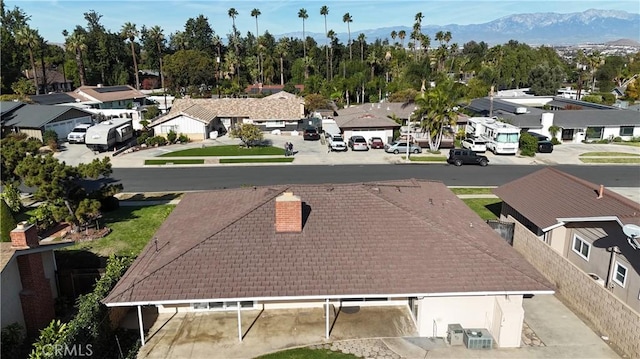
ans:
x=257 y=160
x=632 y=144
x=471 y=190
x=486 y=208
x=230 y=150
x=174 y=162
x=610 y=160
x=131 y=229
x=608 y=154
x=306 y=353
x=426 y=158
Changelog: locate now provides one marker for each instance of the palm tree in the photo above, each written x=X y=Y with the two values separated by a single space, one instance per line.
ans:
x=401 y=35
x=332 y=36
x=156 y=35
x=348 y=19
x=255 y=13
x=302 y=13
x=282 y=48
x=77 y=42
x=394 y=35
x=362 y=39
x=233 y=13
x=130 y=32
x=30 y=38
x=324 y=11
x=417 y=28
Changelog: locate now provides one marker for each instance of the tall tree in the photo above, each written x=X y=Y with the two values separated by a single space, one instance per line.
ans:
x=282 y=48
x=156 y=35
x=255 y=13
x=76 y=43
x=302 y=13
x=30 y=38
x=362 y=39
x=394 y=35
x=401 y=35
x=324 y=11
x=348 y=19
x=129 y=31
x=332 y=38
x=233 y=13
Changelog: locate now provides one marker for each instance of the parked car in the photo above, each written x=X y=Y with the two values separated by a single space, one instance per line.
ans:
x=462 y=156
x=77 y=135
x=358 y=143
x=311 y=134
x=336 y=143
x=544 y=143
x=475 y=144
x=376 y=142
x=401 y=147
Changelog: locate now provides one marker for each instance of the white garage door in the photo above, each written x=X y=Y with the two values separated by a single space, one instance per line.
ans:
x=63 y=128
x=384 y=134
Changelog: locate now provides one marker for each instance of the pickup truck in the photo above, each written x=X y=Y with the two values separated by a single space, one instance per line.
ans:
x=336 y=143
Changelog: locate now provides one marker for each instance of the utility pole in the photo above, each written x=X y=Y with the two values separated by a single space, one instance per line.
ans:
x=491 y=102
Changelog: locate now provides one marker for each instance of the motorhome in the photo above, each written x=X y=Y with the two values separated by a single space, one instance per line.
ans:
x=108 y=134
x=501 y=138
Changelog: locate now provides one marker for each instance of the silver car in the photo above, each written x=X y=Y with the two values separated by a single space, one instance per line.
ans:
x=401 y=147
x=358 y=143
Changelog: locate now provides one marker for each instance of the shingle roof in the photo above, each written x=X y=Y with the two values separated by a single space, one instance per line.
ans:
x=269 y=108
x=379 y=109
x=605 y=118
x=195 y=112
x=419 y=239
x=53 y=98
x=7 y=252
x=107 y=93
x=548 y=194
x=365 y=120
x=36 y=116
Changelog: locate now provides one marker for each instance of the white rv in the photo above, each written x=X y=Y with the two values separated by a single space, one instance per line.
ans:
x=107 y=134
x=501 y=138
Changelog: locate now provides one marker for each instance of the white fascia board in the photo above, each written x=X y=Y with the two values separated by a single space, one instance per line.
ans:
x=563 y=221
x=325 y=297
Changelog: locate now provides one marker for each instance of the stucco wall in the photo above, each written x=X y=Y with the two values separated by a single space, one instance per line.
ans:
x=10 y=289
x=610 y=316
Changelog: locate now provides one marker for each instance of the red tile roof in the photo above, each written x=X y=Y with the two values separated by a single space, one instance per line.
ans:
x=548 y=194
x=367 y=239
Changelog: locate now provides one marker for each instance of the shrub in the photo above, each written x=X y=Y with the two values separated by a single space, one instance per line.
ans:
x=182 y=138
x=172 y=136
x=528 y=145
x=617 y=139
x=11 y=196
x=49 y=135
x=43 y=216
x=143 y=138
x=7 y=224
x=555 y=141
x=13 y=336
x=156 y=141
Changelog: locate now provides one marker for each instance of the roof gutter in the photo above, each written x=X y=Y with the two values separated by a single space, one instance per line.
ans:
x=324 y=297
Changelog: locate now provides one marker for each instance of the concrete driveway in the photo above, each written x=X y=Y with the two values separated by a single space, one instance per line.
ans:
x=215 y=334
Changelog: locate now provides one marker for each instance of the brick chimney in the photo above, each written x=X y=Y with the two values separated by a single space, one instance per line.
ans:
x=25 y=235
x=288 y=213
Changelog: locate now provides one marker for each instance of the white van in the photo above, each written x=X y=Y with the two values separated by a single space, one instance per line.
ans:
x=77 y=135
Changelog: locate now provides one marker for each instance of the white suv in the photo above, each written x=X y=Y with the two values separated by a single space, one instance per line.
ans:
x=474 y=144
x=78 y=133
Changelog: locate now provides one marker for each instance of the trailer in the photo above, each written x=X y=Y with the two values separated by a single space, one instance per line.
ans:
x=501 y=138
x=109 y=134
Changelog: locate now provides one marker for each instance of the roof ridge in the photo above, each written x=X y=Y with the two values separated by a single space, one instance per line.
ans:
x=231 y=222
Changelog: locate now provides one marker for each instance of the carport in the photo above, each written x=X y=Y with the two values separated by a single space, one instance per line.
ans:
x=217 y=334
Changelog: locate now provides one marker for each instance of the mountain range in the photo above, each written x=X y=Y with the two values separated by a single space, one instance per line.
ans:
x=591 y=26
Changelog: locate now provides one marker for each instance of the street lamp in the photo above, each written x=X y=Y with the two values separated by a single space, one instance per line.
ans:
x=409 y=135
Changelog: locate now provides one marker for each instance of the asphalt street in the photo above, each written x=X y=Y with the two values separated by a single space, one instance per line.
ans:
x=208 y=178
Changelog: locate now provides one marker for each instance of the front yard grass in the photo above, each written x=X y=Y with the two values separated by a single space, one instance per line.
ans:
x=471 y=190
x=609 y=154
x=174 y=162
x=610 y=160
x=131 y=229
x=426 y=158
x=228 y=150
x=306 y=353
x=486 y=208
x=257 y=160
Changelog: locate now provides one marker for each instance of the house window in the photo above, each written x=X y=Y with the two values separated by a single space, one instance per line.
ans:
x=223 y=305
x=626 y=131
x=167 y=129
x=595 y=133
x=581 y=247
x=620 y=274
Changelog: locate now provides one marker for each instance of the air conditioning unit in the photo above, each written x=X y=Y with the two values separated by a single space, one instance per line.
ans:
x=455 y=334
x=478 y=339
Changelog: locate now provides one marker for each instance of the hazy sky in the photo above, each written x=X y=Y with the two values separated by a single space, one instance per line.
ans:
x=278 y=16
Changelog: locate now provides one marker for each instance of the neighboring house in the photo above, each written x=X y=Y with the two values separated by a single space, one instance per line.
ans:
x=268 y=89
x=372 y=120
x=282 y=111
x=35 y=119
x=583 y=223
x=28 y=279
x=304 y=246
x=55 y=81
x=96 y=97
x=578 y=120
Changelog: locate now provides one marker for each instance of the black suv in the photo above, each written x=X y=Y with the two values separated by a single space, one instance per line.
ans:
x=544 y=145
x=311 y=134
x=461 y=156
